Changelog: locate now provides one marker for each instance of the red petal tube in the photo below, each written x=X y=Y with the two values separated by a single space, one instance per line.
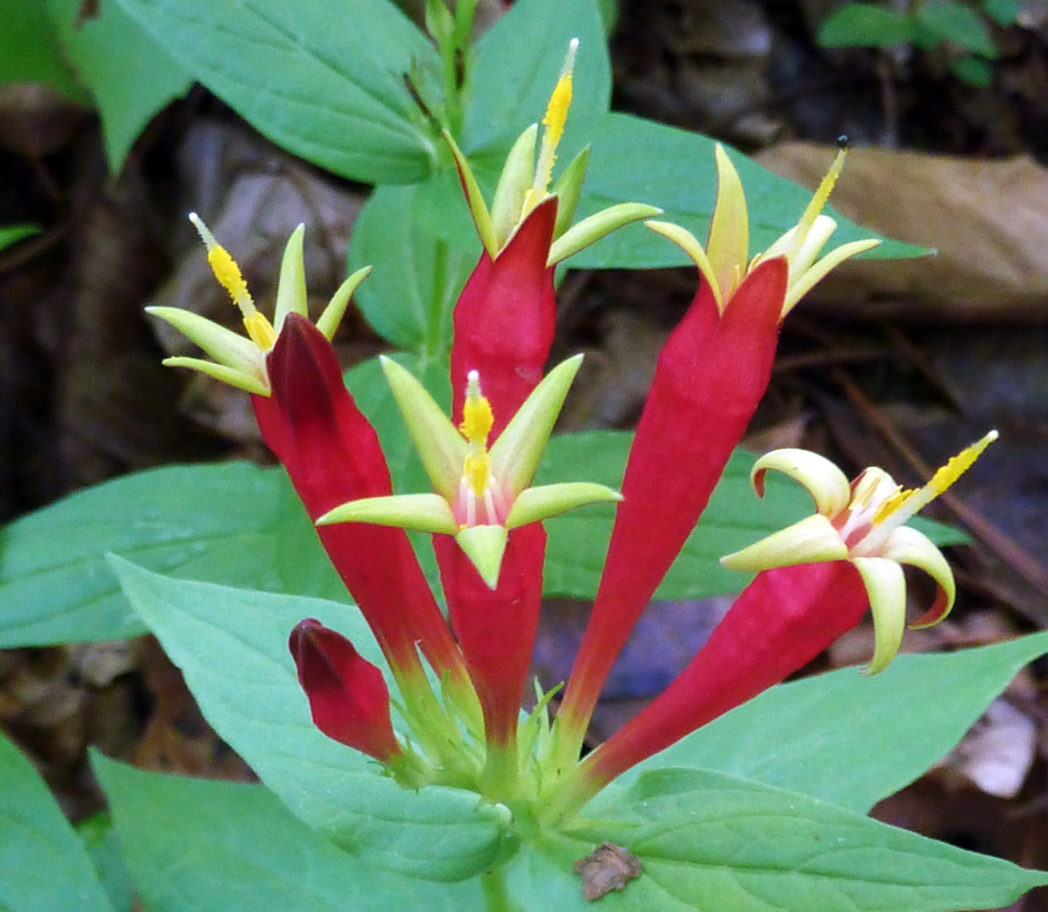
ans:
x=332 y=455
x=505 y=318
x=778 y=624
x=710 y=376
x=347 y=695
x=496 y=629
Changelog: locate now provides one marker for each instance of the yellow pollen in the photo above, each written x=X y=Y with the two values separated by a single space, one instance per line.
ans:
x=556 y=117
x=818 y=201
x=229 y=276
x=904 y=504
x=477 y=419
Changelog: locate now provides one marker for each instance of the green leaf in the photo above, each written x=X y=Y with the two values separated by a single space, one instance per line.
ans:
x=228 y=847
x=643 y=161
x=325 y=81
x=734 y=518
x=866 y=25
x=1003 y=12
x=12 y=234
x=30 y=52
x=232 y=522
x=46 y=868
x=103 y=848
x=129 y=74
x=851 y=739
x=709 y=841
x=974 y=71
x=409 y=297
x=517 y=64
x=956 y=22
x=231 y=645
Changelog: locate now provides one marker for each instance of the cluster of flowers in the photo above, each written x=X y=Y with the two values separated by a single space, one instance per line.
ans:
x=814 y=580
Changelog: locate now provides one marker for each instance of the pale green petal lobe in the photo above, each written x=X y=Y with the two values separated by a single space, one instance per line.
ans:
x=826 y=483
x=440 y=446
x=540 y=503
x=422 y=512
x=600 y=224
x=484 y=546
x=886 y=587
x=291 y=289
x=332 y=315
x=516 y=454
x=908 y=546
x=808 y=541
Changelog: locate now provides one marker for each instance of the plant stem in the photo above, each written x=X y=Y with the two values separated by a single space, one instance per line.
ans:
x=496 y=896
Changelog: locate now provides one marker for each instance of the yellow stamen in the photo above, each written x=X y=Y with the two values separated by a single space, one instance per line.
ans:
x=477 y=419
x=229 y=276
x=905 y=504
x=822 y=194
x=556 y=117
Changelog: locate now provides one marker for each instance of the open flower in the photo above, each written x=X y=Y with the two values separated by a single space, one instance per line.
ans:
x=862 y=522
x=241 y=361
x=481 y=493
x=725 y=261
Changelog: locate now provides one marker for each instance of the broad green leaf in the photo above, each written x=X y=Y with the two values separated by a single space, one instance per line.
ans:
x=232 y=522
x=866 y=25
x=129 y=74
x=709 y=841
x=229 y=847
x=734 y=518
x=12 y=234
x=103 y=848
x=976 y=71
x=231 y=645
x=851 y=739
x=324 y=80
x=1003 y=12
x=417 y=276
x=517 y=64
x=952 y=21
x=46 y=868
x=30 y=52
x=637 y=160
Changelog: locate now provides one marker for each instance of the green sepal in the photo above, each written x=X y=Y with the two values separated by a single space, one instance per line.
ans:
x=421 y=512
x=441 y=448
x=484 y=546
x=291 y=287
x=221 y=372
x=535 y=504
x=474 y=198
x=222 y=344
x=592 y=229
x=567 y=189
x=332 y=315
x=516 y=454
x=518 y=174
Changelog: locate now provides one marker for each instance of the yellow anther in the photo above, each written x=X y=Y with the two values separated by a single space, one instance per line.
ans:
x=556 y=117
x=477 y=417
x=229 y=276
x=477 y=472
x=260 y=330
x=904 y=504
x=822 y=194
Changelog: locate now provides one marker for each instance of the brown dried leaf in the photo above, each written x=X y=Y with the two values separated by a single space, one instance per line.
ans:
x=608 y=867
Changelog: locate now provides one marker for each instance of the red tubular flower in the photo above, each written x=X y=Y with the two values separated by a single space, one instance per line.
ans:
x=711 y=374
x=505 y=318
x=496 y=630
x=347 y=695
x=779 y=623
x=332 y=454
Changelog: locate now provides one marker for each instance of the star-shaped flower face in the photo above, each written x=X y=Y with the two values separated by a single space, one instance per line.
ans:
x=527 y=180
x=241 y=361
x=481 y=493
x=725 y=261
x=862 y=522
